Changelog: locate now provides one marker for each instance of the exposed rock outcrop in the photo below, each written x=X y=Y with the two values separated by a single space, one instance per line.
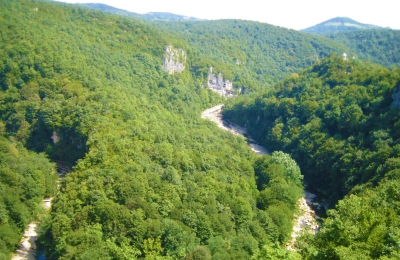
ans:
x=174 y=60
x=218 y=84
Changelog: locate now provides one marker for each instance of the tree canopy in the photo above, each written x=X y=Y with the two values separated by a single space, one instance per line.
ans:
x=337 y=121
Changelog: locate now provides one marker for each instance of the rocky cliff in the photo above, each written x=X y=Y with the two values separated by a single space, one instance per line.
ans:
x=222 y=86
x=174 y=60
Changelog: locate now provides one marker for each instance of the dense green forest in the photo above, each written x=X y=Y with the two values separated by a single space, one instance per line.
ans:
x=337 y=121
x=150 y=178
x=25 y=179
x=379 y=46
x=255 y=55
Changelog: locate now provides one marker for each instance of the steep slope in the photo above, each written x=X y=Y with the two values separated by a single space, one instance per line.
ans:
x=25 y=179
x=339 y=24
x=379 y=46
x=337 y=121
x=256 y=54
x=151 y=178
x=251 y=55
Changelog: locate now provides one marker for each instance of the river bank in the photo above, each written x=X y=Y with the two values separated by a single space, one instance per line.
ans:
x=214 y=114
x=27 y=250
x=307 y=217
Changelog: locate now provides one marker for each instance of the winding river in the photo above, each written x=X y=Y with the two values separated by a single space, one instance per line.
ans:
x=307 y=217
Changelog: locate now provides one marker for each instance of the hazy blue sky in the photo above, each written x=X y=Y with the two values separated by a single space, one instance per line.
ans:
x=295 y=14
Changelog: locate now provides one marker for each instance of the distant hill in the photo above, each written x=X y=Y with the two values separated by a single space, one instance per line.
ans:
x=339 y=24
x=147 y=16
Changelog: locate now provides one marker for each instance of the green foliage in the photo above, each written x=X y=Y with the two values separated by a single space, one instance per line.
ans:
x=251 y=54
x=379 y=46
x=151 y=179
x=25 y=179
x=365 y=226
x=337 y=121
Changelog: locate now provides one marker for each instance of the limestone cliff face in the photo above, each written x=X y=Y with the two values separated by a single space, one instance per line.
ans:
x=174 y=60
x=218 y=84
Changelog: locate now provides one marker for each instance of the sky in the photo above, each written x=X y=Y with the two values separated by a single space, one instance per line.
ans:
x=294 y=14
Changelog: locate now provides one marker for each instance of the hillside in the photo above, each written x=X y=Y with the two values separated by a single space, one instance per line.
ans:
x=339 y=24
x=148 y=16
x=271 y=53
x=379 y=46
x=337 y=121
x=150 y=178
x=254 y=54
x=25 y=179
x=118 y=100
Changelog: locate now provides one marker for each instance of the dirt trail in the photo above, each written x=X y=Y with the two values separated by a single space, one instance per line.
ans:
x=307 y=216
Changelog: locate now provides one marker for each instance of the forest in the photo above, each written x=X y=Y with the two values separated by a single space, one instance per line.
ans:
x=255 y=55
x=150 y=179
x=337 y=121
x=379 y=46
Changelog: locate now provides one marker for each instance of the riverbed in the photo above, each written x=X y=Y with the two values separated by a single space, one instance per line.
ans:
x=307 y=217
x=27 y=250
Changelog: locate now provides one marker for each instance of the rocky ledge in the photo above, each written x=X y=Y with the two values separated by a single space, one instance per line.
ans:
x=174 y=60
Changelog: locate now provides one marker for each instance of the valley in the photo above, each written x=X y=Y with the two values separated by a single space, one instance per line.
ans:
x=28 y=249
x=165 y=166
x=306 y=218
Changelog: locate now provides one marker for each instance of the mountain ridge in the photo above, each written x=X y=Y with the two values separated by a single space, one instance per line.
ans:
x=339 y=24
x=147 y=16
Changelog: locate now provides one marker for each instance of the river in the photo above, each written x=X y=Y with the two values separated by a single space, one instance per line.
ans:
x=27 y=250
x=307 y=217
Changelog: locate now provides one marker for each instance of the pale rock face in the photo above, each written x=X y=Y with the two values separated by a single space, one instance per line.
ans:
x=223 y=87
x=174 y=60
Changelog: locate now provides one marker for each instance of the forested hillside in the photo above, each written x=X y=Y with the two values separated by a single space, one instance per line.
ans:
x=337 y=121
x=25 y=179
x=379 y=46
x=271 y=53
x=256 y=54
x=253 y=55
x=150 y=178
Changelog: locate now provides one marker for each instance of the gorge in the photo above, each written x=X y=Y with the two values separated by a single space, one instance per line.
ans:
x=307 y=217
